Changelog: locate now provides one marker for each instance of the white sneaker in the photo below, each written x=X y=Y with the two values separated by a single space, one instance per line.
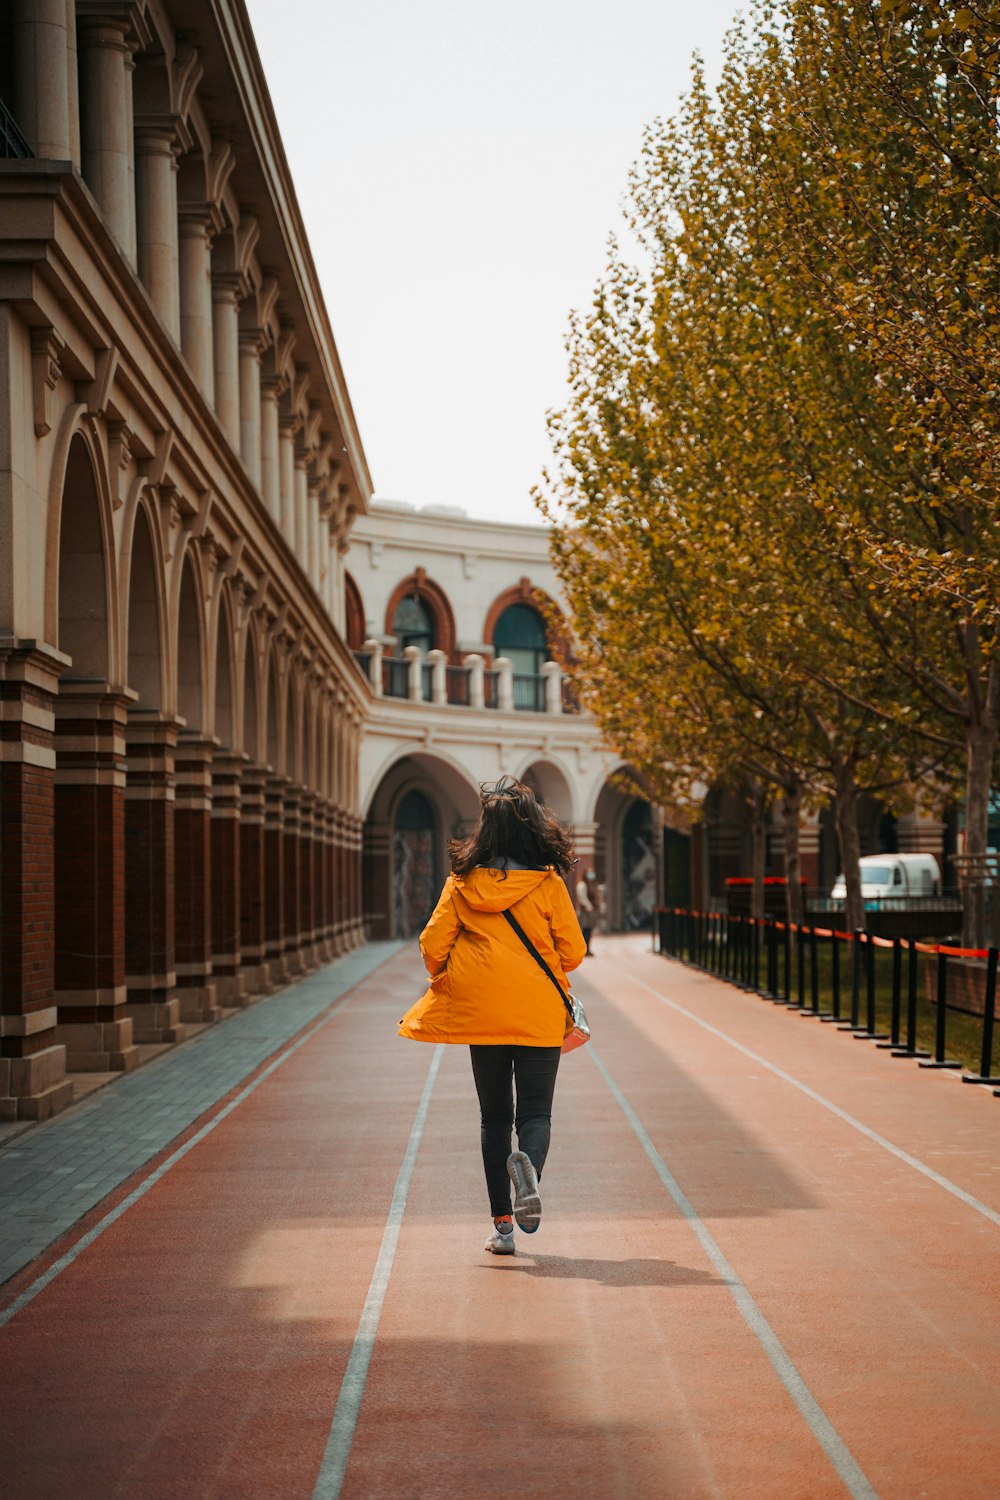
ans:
x=501 y=1241
x=527 y=1203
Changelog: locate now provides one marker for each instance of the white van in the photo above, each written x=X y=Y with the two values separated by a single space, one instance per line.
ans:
x=894 y=875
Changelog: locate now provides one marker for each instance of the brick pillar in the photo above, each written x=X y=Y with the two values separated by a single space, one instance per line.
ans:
x=250 y=830
x=90 y=880
x=307 y=894
x=339 y=920
x=33 y=1082
x=292 y=881
x=227 y=973
x=355 y=882
x=274 y=879
x=326 y=891
x=150 y=973
x=193 y=880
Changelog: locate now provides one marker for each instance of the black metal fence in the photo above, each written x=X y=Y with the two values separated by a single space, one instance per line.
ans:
x=927 y=1001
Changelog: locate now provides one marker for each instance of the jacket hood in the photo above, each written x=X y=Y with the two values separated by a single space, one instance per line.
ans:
x=492 y=890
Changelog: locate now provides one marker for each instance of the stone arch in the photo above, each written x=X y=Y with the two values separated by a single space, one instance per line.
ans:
x=83 y=581
x=144 y=641
x=557 y=636
x=190 y=649
x=405 y=864
x=354 y=611
x=224 y=718
x=626 y=851
x=433 y=596
x=250 y=739
x=272 y=729
x=551 y=783
x=292 y=763
x=74 y=440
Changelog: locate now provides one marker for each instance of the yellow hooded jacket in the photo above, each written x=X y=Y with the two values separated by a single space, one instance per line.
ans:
x=486 y=988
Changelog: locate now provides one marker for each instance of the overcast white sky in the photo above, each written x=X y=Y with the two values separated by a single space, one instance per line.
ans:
x=460 y=166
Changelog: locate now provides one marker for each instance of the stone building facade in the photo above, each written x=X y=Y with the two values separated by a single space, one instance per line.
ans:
x=454 y=622
x=180 y=716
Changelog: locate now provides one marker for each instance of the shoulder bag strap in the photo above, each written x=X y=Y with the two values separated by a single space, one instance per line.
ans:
x=539 y=960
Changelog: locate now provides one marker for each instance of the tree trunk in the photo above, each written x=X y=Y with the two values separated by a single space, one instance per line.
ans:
x=758 y=846
x=791 y=812
x=845 y=811
x=980 y=751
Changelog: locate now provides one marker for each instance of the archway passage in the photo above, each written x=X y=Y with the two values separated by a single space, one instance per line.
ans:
x=414 y=885
x=150 y=956
x=88 y=805
x=626 y=855
x=638 y=867
x=420 y=802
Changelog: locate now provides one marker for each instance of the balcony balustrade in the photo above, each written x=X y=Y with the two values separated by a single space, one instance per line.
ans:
x=433 y=679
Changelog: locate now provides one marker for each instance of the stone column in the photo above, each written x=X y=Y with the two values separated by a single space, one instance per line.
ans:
x=73 y=69
x=438 y=662
x=329 y=946
x=292 y=945
x=193 y=880
x=106 y=123
x=33 y=1082
x=274 y=880
x=505 y=684
x=287 y=428
x=301 y=545
x=270 y=471
x=477 y=687
x=356 y=931
x=150 y=964
x=552 y=672
x=226 y=353
x=230 y=985
x=43 y=85
x=250 y=349
x=195 y=269
x=252 y=937
x=156 y=218
x=414 y=673
x=89 y=921
x=374 y=649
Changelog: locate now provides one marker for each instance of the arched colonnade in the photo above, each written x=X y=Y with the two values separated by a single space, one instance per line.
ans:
x=194 y=827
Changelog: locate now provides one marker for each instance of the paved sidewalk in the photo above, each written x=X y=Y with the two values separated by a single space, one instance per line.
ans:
x=767 y=1269
x=53 y=1174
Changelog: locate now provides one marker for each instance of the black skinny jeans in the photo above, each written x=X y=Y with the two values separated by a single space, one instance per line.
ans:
x=498 y=1071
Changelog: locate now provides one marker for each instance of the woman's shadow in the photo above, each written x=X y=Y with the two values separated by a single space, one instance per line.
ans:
x=608 y=1272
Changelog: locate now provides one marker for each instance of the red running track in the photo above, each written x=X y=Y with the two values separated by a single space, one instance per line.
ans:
x=746 y=1283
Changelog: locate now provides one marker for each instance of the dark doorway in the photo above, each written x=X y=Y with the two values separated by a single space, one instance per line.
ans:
x=414 y=864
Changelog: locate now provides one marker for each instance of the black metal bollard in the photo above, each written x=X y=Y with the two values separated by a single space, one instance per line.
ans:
x=912 y=969
x=855 y=1021
x=989 y=1009
x=940 y=1060
x=868 y=1032
x=814 y=969
x=895 y=1020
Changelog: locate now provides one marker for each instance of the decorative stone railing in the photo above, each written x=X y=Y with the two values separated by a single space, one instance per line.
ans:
x=433 y=679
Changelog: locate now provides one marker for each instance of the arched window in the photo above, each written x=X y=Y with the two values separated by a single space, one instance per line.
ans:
x=520 y=635
x=412 y=625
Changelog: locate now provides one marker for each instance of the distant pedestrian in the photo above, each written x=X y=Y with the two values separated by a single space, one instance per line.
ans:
x=488 y=991
x=590 y=905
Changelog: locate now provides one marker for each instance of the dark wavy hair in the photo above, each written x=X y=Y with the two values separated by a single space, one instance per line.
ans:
x=513 y=825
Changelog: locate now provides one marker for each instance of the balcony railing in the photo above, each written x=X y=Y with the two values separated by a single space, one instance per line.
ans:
x=12 y=142
x=433 y=679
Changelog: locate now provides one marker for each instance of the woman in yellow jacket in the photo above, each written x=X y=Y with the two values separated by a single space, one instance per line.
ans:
x=488 y=992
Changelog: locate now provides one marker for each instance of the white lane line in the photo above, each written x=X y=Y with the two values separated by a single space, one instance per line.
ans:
x=330 y=1479
x=822 y=1429
x=835 y=1109
x=56 y=1269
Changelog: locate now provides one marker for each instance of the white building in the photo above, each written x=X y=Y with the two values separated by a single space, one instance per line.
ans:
x=451 y=619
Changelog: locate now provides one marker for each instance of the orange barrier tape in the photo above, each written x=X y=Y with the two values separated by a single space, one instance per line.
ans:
x=831 y=932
